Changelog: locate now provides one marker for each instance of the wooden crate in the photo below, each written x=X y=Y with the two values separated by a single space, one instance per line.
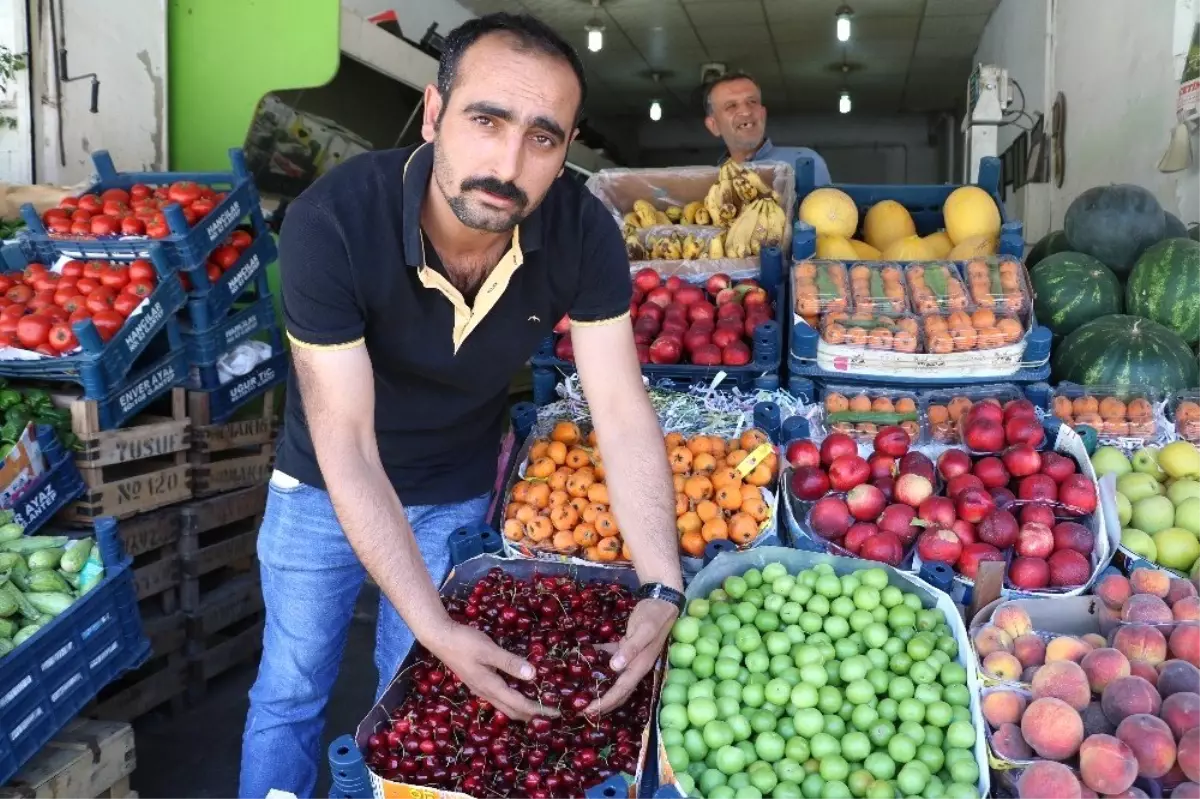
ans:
x=88 y=758
x=233 y=455
x=226 y=627
x=159 y=683
x=152 y=540
x=219 y=537
x=135 y=469
x=231 y=646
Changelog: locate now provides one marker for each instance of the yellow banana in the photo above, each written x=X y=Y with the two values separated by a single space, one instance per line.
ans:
x=716 y=247
x=702 y=217
x=689 y=212
x=661 y=218
x=645 y=212
x=631 y=219
x=674 y=213
x=691 y=248
x=634 y=248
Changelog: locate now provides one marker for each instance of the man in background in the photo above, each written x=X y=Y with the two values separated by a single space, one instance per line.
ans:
x=734 y=112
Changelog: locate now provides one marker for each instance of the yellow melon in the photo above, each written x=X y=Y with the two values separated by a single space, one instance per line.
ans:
x=909 y=248
x=864 y=250
x=831 y=212
x=974 y=247
x=939 y=243
x=970 y=211
x=886 y=222
x=835 y=248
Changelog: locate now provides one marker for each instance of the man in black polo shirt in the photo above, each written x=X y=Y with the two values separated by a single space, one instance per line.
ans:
x=416 y=282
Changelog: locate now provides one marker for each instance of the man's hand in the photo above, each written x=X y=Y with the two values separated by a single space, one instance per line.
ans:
x=475 y=658
x=649 y=625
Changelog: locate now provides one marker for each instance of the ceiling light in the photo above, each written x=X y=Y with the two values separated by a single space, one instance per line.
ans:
x=844 y=103
x=844 y=14
x=595 y=30
x=655 y=111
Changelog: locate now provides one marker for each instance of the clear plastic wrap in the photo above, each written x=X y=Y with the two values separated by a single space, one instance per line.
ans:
x=675 y=243
x=1116 y=412
x=878 y=287
x=819 y=287
x=963 y=331
x=856 y=411
x=943 y=408
x=936 y=287
x=873 y=331
x=1184 y=414
x=999 y=283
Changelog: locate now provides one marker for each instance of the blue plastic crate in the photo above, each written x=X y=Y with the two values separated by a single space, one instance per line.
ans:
x=49 y=679
x=53 y=489
x=102 y=365
x=208 y=302
x=186 y=247
x=224 y=400
x=147 y=384
x=205 y=347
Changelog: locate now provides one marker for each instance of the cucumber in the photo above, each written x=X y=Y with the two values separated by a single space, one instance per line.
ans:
x=76 y=555
x=11 y=532
x=27 y=610
x=8 y=628
x=32 y=543
x=876 y=285
x=45 y=558
x=6 y=646
x=46 y=581
x=873 y=417
x=51 y=603
x=937 y=280
x=8 y=607
x=25 y=633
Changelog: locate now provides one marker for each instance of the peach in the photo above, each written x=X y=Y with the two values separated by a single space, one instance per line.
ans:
x=1094 y=640
x=1187 y=608
x=1181 y=589
x=1152 y=743
x=1181 y=712
x=1027 y=674
x=1053 y=729
x=1013 y=619
x=1113 y=590
x=1087 y=793
x=1175 y=676
x=1030 y=650
x=1189 y=754
x=1108 y=618
x=990 y=638
x=1002 y=666
x=1132 y=793
x=1107 y=765
x=1008 y=743
x=1095 y=722
x=1150 y=581
x=1102 y=666
x=1066 y=647
x=1186 y=790
x=1003 y=707
x=1146 y=608
x=1129 y=696
x=1063 y=680
x=1141 y=642
x=1140 y=668
x=1044 y=779
x=1185 y=642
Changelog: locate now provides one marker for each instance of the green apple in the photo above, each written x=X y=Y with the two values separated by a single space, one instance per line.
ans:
x=1110 y=460
x=1138 y=485
x=1124 y=509
x=1152 y=514
x=1177 y=548
x=1179 y=490
x=1187 y=515
x=1180 y=459
x=1139 y=543
x=1145 y=461
x=1195 y=574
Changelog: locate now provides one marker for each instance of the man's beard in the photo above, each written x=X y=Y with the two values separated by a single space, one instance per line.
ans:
x=471 y=213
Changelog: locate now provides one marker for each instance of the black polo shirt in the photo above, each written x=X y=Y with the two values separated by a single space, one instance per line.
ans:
x=356 y=269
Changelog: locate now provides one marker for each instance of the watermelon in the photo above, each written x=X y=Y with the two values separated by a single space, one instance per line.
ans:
x=1070 y=288
x=1115 y=224
x=1052 y=242
x=1125 y=350
x=1165 y=286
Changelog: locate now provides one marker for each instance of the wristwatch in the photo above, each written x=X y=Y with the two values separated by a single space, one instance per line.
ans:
x=664 y=592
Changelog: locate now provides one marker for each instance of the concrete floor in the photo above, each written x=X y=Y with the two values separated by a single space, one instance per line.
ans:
x=197 y=753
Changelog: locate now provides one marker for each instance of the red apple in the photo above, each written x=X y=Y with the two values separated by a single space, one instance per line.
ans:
x=1029 y=573
x=835 y=446
x=974 y=504
x=952 y=463
x=973 y=555
x=749 y=282
x=753 y=321
x=674 y=283
x=1073 y=535
x=562 y=325
x=1037 y=512
x=1024 y=430
x=802 y=452
x=717 y=283
x=729 y=296
x=665 y=349
x=1035 y=540
x=998 y=528
x=638 y=295
x=563 y=349
x=707 y=355
x=1069 y=568
x=810 y=483
x=689 y=295
x=701 y=311
x=724 y=336
x=866 y=502
x=675 y=309
x=857 y=535
x=1018 y=408
x=965 y=531
x=1057 y=467
x=660 y=296
x=883 y=547
x=736 y=353
x=1078 y=493
x=651 y=311
x=881 y=465
x=848 y=471
x=913 y=489
x=961 y=483
x=643 y=351
x=643 y=337
x=647 y=280
x=892 y=440
x=985 y=410
x=731 y=310
x=991 y=471
x=937 y=510
x=756 y=296
x=885 y=484
x=693 y=339
x=1022 y=460
x=1038 y=486
x=984 y=435
x=939 y=545
x=898 y=520
x=674 y=326
x=1002 y=497
x=830 y=518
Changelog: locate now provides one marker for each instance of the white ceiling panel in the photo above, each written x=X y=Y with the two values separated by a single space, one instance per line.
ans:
x=938 y=8
x=720 y=13
x=956 y=27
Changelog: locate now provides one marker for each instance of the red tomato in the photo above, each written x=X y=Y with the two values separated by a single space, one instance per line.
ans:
x=73 y=303
x=80 y=215
x=115 y=208
x=64 y=293
x=4 y=302
x=101 y=299
x=55 y=213
x=78 y=315
x=33 y=330
x=202 y=207
x=45 y=349
x=8 y=325
x=219 y=196
x=214 y=272
x=90 y=203
x=55 y=313
x=142 y=269
x=115 y=276
x=190 y=216
x=33 y=270
x=115 y=195
x=108 y=322
x=6 y=282
x=60 y=227
x=81 y=228
x=240 y=239
x=41 y=299
x=225 y=257
x=87 y=285
x=157 y=229
x=46 y=282
x=105 y=225
x=139 y=288
x=72 y=269
x=62 y=337
x=132 y=226
x=21 y=294
x=125 y=303
x=139 y=191
x=8 y=340
x=16 y=310
x=94 y=269
x=70 y=203
x=184 y=192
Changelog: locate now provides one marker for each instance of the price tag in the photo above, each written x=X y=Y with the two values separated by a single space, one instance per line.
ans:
x=752 y=460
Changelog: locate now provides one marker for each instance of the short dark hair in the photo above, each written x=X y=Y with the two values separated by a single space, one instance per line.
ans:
x=726 y=78
x=529 y=32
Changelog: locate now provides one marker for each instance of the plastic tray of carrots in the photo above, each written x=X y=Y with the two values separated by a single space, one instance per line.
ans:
x=860 y=412
x=1000 y=284
x=1113 y=411
x=963 y=331
x=878 y=288
x=936 y=287
x=900 y=333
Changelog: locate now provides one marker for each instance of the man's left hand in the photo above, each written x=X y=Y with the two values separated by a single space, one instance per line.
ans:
x=648 y=628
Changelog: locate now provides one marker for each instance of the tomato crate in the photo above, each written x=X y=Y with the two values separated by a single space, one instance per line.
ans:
x=46 y=681
x=205 y=347
x=187 y=247
x=217 y=405
x=100 y=366
x=53 y=489
x=209 y=301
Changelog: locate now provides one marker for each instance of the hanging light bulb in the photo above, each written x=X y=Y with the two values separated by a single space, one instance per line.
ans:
x=655 y=111
x=844 y=103
x=844 y=14
x=595 y=38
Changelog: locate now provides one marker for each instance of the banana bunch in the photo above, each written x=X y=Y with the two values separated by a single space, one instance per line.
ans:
x=760 y=224
x=736 y=187
x=676 y=246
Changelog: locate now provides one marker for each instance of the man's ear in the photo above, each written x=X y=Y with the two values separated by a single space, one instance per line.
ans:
x=431 y=112
x=711 y=124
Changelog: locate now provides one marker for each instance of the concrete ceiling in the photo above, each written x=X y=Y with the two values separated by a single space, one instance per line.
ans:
x=908 y=56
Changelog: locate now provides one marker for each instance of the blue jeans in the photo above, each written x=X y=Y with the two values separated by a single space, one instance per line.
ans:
x=310 y=581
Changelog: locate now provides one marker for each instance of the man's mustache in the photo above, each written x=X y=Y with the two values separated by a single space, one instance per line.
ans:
x=508 y=191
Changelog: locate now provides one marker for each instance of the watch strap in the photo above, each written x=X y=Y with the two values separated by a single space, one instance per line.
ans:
x=664 y=592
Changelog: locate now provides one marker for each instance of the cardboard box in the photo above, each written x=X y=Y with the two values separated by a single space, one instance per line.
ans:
x=23 y=464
